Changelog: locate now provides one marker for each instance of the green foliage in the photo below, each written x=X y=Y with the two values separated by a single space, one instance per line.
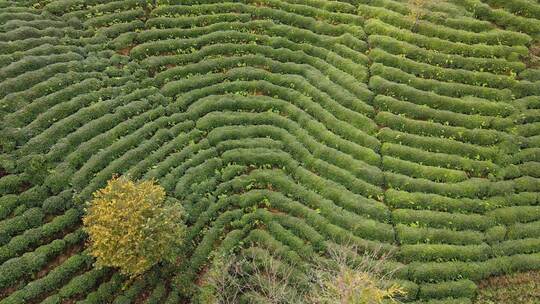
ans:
x=283 y=126
x=453 y=289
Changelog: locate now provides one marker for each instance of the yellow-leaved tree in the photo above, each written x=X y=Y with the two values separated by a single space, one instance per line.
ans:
x=132 y=226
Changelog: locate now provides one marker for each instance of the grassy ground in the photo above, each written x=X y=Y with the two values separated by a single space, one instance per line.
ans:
x=516 y=288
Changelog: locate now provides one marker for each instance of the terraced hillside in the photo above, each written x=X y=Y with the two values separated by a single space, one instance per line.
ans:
x=283 y=126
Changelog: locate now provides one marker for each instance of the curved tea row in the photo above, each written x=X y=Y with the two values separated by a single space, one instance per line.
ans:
x=446 y=89
x=282 y=126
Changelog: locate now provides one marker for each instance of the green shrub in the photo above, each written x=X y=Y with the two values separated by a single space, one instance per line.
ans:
x=416 y=235
x=454 y=289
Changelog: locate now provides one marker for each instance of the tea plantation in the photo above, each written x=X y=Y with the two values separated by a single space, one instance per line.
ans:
x=282 y=126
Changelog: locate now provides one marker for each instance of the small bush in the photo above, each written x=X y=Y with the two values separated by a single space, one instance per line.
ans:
x=132 y=227
x=253 y=276
x=351 y=276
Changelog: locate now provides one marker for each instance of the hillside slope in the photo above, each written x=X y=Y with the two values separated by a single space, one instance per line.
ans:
x=283 y=126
